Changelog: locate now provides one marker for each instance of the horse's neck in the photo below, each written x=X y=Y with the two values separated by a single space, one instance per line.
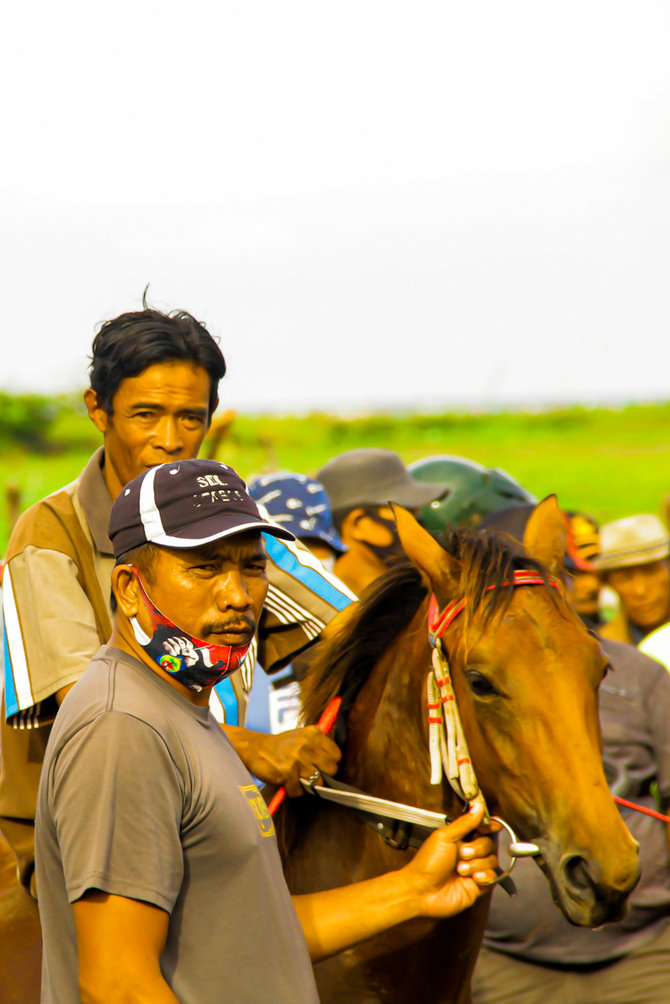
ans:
x=387 y=748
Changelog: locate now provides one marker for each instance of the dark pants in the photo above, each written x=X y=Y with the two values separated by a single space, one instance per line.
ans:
x=643 y=977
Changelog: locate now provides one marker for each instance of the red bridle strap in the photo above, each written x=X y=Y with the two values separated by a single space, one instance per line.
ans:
x=439 y=620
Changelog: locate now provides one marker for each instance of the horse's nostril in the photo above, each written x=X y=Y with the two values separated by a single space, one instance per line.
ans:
x=577 y=873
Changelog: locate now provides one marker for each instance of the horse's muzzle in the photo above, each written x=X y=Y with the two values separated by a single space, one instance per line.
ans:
x=588 y=891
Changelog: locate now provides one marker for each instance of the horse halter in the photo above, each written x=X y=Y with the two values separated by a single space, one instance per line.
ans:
x=448 y=748
x=401 y=825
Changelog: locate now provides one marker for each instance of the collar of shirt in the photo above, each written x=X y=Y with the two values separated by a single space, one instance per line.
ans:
x=96 y=501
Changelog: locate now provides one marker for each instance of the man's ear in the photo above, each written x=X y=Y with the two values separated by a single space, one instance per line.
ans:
x=126 y=590
x=212 y=412
x=350 y=531
x=96 y=412
x=439 y=569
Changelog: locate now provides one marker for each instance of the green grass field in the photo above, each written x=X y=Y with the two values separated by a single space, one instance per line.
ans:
x=604 y=461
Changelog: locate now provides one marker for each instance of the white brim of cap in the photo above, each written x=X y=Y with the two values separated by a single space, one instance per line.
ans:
x=169 y=540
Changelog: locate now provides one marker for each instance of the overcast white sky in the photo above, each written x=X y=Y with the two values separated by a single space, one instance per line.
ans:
x=371 y=204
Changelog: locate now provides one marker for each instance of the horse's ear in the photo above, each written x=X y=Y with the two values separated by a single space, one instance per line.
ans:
x=440 y=570
x=546 y=534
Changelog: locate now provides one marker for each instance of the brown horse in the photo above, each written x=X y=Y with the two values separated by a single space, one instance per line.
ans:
x=526 y=676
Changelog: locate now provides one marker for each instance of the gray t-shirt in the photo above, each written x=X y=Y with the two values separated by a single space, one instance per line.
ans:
x=143 y=796
x=635 y=722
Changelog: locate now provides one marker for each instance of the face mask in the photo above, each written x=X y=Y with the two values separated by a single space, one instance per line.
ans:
x=186 y=658
x=388 y=554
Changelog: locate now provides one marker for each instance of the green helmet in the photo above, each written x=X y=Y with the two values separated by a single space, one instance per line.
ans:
x=473 y=491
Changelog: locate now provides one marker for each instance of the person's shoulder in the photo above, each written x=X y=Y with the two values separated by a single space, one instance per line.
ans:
x=113 y=684
x=636 y=676
x=657 y=644
x=45 y=524
x=623 y=656
x=92 y=692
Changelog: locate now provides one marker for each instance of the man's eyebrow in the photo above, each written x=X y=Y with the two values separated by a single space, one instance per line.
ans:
x=159 y=406
x=258 y=555
x=146 y=405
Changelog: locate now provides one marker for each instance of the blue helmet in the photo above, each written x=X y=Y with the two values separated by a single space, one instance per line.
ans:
x=299 y=504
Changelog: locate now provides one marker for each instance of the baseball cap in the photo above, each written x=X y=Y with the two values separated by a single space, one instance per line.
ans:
x=185 y=504
x=298 y=503
x=634 y=540
x=371 y=476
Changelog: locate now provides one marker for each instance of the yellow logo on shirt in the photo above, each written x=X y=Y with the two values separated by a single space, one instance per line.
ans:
x=256 y=803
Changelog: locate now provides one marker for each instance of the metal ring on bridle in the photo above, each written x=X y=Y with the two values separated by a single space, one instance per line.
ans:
x=517 y=849
x=312 y=779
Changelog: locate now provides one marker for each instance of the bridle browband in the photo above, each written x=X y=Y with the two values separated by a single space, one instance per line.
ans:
x=439 y=621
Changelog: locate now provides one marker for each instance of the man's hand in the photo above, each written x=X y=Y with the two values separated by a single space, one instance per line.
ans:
x=448 y=876
x=444 y=877
x=285 y=758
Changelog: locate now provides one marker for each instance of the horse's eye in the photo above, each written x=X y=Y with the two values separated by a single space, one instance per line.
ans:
x=479 y=685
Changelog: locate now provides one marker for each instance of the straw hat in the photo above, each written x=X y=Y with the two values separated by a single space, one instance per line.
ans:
x=635 y=540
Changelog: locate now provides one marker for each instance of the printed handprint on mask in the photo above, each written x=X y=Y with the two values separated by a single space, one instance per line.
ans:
x=180 y=646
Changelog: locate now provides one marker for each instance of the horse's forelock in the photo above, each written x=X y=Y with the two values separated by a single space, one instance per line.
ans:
x=489 y=560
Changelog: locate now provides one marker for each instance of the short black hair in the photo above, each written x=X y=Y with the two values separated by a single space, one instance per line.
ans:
x=130 y=343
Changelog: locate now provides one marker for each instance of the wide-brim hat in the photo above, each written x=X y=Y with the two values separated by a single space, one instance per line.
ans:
x=635 y=540
x=185 y=504
x=374 y=477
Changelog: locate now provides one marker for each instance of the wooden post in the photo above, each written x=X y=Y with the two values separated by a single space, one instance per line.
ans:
x=218 y=431
x=13 y=496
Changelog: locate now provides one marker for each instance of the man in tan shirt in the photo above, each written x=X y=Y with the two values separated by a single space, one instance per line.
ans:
x=153 y=389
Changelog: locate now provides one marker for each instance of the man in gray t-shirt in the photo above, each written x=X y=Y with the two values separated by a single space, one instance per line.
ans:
x=157 y=868
x=147 y=798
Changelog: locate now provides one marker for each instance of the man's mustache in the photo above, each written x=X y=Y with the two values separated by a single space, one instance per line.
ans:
x=246 y=624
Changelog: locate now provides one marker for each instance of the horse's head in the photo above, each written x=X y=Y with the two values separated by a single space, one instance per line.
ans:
x=526 y=674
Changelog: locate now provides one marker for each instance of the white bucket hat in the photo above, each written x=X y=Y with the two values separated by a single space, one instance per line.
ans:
x=635 y=540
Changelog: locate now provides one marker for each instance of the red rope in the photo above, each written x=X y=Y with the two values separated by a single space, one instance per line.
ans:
x=641 y=808
x=325 y=723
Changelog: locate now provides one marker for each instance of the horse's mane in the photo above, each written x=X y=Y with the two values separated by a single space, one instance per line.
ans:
x=343 y=661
